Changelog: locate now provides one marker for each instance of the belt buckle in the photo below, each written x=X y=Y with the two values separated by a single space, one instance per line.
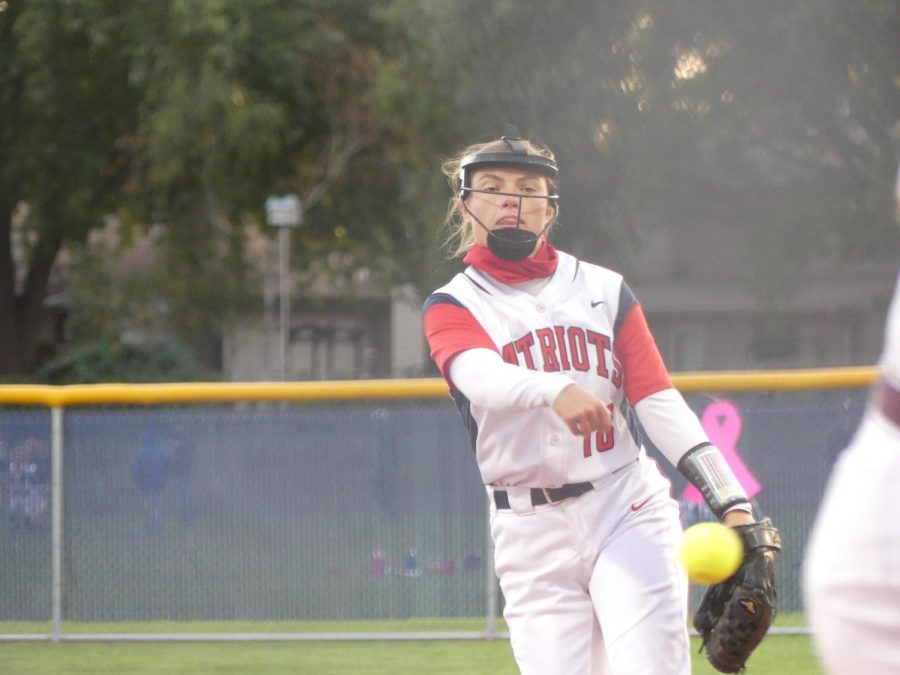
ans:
x=550 y=500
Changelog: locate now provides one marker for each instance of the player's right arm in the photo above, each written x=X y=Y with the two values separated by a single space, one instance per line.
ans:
x=491 y=383
x=470 y=362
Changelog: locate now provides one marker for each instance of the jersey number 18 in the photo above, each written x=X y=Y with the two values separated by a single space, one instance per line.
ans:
x=601 y=442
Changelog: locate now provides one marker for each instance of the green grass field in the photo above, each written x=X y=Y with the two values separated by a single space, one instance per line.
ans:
x=781 y=654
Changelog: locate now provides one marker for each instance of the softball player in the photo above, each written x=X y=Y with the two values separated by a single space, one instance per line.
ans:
x=852 y=571
x=551 y=364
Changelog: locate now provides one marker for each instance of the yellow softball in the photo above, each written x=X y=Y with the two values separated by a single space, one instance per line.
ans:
x=710 y=552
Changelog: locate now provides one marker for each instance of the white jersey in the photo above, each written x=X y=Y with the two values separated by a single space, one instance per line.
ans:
x=570 y=327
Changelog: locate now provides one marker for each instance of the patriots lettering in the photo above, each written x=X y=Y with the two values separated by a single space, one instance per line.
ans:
x=547 y=340
x=560 y=332
x=601 y=343
x=578 y=348
x=552 y=347
x=521 y=346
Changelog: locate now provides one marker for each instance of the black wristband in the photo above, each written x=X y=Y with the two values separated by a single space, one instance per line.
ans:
x=706 y=469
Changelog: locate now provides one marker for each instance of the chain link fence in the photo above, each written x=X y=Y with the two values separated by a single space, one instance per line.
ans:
x=313 y=511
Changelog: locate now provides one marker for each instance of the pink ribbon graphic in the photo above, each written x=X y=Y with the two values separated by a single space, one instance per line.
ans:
x=722 y=423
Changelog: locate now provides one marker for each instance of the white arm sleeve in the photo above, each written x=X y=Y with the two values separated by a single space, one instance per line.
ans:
x=491 y=383
x=670 y=423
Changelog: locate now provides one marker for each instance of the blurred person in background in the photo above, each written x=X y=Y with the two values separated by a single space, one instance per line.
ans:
x=29 y=474
x=150 y=470
x=852 y=568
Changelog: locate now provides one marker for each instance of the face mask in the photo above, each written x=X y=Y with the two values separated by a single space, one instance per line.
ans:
x=510 y=243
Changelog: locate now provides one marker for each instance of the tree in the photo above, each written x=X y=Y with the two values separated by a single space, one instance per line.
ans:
x=774 y=119
x=244 y=100
x=66 y=105
x=769 y=117
x=182 y=117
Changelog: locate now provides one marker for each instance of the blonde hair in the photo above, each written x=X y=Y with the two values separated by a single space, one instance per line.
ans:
x=461 y=235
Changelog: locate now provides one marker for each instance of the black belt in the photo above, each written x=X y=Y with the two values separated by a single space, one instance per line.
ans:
x=888 y=401
x=546 y=495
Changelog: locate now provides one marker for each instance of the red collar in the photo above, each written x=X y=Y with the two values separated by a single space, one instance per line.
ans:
x=541 y=265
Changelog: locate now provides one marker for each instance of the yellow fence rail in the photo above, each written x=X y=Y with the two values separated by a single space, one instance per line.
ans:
x=200 y=392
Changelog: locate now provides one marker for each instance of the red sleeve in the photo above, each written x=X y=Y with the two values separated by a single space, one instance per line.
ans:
x=450 y=329
x=643 y=366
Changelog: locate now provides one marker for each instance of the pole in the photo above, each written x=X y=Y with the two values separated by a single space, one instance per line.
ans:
x=283 y=213
x=56 y=520
x=284 y=306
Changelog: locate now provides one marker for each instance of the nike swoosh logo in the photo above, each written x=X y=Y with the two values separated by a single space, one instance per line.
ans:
x=598 y=302
x=640 y=505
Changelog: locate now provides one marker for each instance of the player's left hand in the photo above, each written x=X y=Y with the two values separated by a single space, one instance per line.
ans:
x=738 y=517
x=735 y=615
